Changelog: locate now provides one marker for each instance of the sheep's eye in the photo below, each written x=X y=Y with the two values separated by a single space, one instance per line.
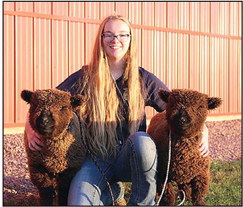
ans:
x=62 y=108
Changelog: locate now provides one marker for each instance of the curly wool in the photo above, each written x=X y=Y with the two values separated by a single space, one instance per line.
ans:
x=52 y=168
x=185 y=116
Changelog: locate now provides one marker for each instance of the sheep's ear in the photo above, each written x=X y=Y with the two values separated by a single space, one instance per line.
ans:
x=76 y=100
x=214 y=102
x=26 y=95
x=164 y=95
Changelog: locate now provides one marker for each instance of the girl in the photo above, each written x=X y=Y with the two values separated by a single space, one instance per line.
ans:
x=113 y=119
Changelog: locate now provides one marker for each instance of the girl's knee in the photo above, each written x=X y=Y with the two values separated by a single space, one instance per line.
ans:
x=144 y=149
x=143 y=143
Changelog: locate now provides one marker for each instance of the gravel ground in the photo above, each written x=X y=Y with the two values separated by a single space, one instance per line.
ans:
x=224 y=140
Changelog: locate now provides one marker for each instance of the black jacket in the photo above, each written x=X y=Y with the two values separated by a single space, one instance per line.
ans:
x=151 y=85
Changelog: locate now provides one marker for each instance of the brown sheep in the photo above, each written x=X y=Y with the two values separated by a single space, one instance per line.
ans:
x=186 y=112
x=51 y=169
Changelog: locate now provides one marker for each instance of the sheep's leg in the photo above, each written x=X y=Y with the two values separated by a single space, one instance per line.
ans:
x=187 y=190
x=199 y=189
x=46 y=196
x=168 y=198
x=45 y=184
x=64 y=181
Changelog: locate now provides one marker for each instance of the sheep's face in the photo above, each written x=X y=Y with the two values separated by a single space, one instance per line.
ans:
x=50 y=110
x=186 y=110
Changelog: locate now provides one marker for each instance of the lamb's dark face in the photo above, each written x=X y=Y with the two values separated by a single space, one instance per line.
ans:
x=50 y=110
x=186 y=110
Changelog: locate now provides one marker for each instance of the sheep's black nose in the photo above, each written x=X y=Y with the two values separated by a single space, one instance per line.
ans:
x=182 y=118
x=45 y=122
x=45 y=117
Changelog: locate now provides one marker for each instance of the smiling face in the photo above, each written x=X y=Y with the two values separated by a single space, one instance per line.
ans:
x=114 y=48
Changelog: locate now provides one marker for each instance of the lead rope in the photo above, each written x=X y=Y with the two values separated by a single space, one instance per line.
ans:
x=167 y=171
x=94 y=159
x=167 y=176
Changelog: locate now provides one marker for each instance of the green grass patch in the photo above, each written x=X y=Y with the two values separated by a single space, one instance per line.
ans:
x=225 y=187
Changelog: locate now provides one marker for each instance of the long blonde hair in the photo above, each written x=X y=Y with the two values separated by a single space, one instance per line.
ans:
x=102 y=111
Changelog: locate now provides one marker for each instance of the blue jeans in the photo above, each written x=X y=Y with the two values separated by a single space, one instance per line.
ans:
x=136 y=162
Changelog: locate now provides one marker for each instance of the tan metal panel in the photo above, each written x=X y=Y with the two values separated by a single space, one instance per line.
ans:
x=239 y=5
x=194 y=58
x=59 y=52
x=24 y=63
x=76 y=37
x=59 y=44
x=160 y=57
x=8 y=6
x=223 y=72
x=9 y=76
x=160 y=13
x=147 y=49
x=106 y=9
x=239 y=67
x=172 y=15
x=42 y=50
x=76 y=46
x=121 y=8
x=204 y=13
x=90 y=35
x=148 y=13
x=233 y=76
x=172 y=60
x=24 y=6
x=42 y=7
x=204 y=59
x=235 y=92
x=235 y=18
x=224 y=23
x=76 y=9
x=92 y=10
x=135 y=12
x=138 y=37
x=60 y=8
x=215 y=69
x=184 y=16
x=194 y=16
x=215 y=17
x=204 y=64
x=183 y=63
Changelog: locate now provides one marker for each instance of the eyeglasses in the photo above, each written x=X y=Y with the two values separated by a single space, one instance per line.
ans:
x=119 y=37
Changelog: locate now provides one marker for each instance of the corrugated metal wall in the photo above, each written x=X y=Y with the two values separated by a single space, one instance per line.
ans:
x=193 y=45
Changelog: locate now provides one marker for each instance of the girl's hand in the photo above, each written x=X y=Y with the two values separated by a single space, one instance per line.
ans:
x=34 y=140
x=204 y=148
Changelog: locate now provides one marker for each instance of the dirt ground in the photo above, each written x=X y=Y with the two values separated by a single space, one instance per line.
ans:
x=224 y=141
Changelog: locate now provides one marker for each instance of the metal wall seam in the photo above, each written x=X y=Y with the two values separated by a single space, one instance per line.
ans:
x=204 y=64
x=24 y=58
x=9 y=68
x=59 y=45
x=160 y=14
x=239 y=91
x=121 y=8
x=42 y=48
x=135 y=12
x=106 y=9
x=204 y=13
x=76 y=35
x=172 y=15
